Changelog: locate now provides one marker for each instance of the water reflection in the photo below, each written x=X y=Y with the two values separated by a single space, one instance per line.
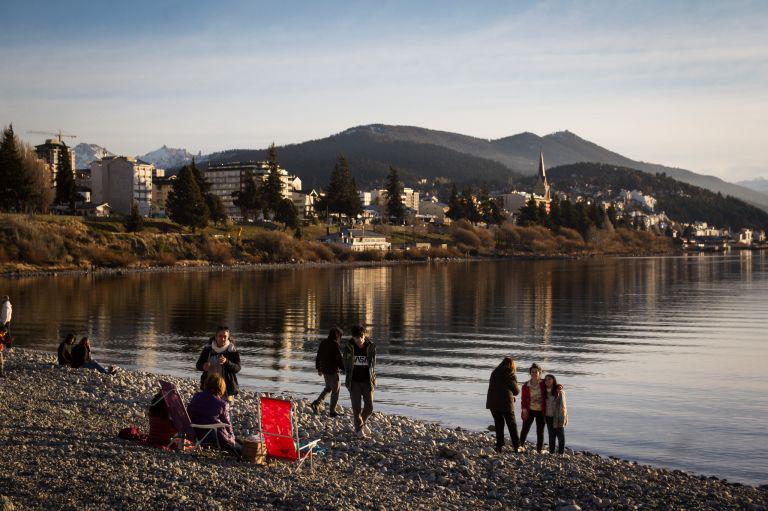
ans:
x=612 y=329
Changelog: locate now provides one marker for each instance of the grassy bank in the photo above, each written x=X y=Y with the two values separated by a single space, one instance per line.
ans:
x=60 y=243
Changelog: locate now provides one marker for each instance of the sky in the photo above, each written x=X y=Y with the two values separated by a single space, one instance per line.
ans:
x=679 y=83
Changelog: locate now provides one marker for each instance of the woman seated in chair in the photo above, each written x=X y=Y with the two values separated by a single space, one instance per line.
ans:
x=161 y=429
x=209 y=406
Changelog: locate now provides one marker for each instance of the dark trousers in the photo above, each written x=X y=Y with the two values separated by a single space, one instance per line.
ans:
x=2 y=364
x=361 y=391
x=498 y=419
x=555 y=433
x=539 y=417
x=332 y=387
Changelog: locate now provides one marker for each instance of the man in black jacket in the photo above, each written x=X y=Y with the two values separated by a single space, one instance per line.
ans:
x=328 y=363
x=220 y=356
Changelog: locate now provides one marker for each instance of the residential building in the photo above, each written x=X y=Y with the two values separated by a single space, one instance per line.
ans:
x=638 y=199
x=365 y=198
x=433 y=210
x=52 y=153
x=161 y=187
x=305 y=202
x=358 y=240
x=745 y=237
x=227 y=178
x=410 y=198
x=121 y=181
x=513 y=201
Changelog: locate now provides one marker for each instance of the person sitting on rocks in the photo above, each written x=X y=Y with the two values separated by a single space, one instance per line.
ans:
x=328 y=363
x=220 y=357
x=81 y=357
x=210 y=407
x=360 y=367
x=161 y=429
x=556 y=413
x=65 y=350
x=502 y=390
x=533 y=406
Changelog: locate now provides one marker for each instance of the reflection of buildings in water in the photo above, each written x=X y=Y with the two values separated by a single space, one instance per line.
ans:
x=542 y=303
x=415 y=293
x=147 y=347
x=368 y=289
x=745 y=265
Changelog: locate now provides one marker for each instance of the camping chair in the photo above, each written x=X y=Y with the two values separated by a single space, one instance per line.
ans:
x=180 y=418
x=281 y=431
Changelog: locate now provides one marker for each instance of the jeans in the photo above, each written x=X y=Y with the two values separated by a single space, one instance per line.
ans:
x=92 y=364
x=555 y=433
x=498 y=419
x=361 y=390
x=332 y=387
x=2 y=364
x=538 y=415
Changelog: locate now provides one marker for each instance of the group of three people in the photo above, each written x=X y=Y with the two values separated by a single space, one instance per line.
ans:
x=543 y=402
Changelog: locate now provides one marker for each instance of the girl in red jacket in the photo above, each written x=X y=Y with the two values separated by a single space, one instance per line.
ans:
x=534 y=404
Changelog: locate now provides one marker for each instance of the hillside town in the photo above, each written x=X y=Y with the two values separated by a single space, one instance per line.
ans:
x=112 y=185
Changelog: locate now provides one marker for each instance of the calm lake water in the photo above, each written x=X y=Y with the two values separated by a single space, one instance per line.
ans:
x=663 y=359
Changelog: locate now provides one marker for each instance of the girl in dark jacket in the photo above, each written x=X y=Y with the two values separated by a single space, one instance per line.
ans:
x=209 y=407
x=81 y=357
x=65 y=350
x=220 y=357
x=502 y=390
x=328 y=363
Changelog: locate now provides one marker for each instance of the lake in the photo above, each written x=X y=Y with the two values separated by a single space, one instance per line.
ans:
x=663 y=358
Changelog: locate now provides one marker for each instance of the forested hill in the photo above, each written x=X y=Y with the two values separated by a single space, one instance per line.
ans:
x=369 y=158
x=680 y=201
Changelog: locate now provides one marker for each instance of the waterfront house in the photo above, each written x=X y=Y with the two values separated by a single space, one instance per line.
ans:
x=358 y=240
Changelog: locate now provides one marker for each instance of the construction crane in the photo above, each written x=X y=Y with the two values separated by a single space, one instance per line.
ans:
x=57 y=134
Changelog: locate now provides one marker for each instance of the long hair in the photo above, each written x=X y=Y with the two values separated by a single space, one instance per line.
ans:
x=335 y=334
x=554 y=384
x=509 y=363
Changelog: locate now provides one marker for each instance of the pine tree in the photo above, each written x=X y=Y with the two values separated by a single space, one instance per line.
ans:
x=469 y=205
x=15 y=183
x=216 y=210
x=272 y=187
x=529 y=213
x=247 y=199
x=455 y=207
x=66 y=189
x=287 y=214
x=555 y=218
x=491 y=211
x=185 y=204
x=202 y=182
x=395 y=206
x=341 y=196
x=134 y=222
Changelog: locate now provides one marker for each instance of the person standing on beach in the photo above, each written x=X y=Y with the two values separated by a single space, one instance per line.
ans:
x=360 y=377
x=220 y=356
x=533 y=406
x=556 y=414
x=328 y=362
x=6 y=312
x=502 y=390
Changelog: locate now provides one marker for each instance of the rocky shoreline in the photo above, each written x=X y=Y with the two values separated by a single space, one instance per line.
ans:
x=59 y=450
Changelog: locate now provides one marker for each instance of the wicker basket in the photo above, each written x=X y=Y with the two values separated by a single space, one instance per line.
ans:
x=254 y=452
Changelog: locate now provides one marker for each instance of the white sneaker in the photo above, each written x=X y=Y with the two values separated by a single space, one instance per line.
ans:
x=366 y=429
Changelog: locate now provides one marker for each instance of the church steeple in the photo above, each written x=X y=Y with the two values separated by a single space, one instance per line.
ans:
x=542 y=185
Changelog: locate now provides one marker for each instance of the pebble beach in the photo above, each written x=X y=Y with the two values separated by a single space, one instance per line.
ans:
x=59 y=449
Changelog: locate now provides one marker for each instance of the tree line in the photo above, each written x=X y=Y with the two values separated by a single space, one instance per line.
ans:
x=467 y=206
x=25 y=183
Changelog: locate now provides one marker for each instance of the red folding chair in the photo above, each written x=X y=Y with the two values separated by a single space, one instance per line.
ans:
x=281 y=432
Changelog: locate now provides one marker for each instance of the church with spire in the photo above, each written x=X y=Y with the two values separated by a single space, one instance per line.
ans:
x=541 y=190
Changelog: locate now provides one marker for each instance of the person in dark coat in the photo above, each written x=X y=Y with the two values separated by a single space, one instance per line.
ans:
x=209 y=407
x=81 y=357
x=220 y=357
x=65 y=350
x=328 y=363
x=502 y=390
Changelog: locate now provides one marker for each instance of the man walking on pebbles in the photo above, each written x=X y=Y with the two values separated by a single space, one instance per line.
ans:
x=360 y=372
x=328 y=363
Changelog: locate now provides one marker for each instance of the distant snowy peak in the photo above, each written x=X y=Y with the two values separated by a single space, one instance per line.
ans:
x=86 y=153
x=759 y=184
x=168 y=157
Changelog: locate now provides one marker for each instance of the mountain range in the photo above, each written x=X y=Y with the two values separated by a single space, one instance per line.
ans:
x=424 y=153
x=164 y=157
x=759 y=184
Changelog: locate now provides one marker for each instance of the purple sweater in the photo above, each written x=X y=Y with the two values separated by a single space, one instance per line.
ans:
x=205 y=408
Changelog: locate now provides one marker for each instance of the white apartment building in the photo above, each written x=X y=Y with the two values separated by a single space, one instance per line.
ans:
x=513 y=201
x=52 y=153
x=227 y=178
x=409 y=197
x=359 y=240
x=121 y=181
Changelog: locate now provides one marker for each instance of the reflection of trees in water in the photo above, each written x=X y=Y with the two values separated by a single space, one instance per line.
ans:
x=274 y=313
